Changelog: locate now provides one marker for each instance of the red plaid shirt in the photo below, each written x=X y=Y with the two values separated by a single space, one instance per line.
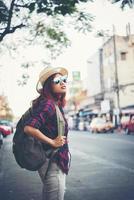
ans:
x=44 y=118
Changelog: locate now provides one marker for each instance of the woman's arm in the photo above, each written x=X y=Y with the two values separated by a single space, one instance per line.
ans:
x=57 y=142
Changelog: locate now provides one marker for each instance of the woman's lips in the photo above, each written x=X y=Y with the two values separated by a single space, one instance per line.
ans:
x=63 y=87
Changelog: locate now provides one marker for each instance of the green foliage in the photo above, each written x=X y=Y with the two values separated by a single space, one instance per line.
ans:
x=53 y=39
x=35 y=16
x=23 y=80
x=50 y=35
x=54 y=35
x=62 y=7
x=32 y=7
x=19 y=12
x=124 y=3
x=3 y=12
x=83 y=22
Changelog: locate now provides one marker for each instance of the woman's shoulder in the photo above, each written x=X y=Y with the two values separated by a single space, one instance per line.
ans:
x=47 y=105
x=48 y=102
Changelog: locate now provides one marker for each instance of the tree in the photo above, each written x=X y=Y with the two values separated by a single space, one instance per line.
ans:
x=49 y=28
x=16 y=15
x=43 y=22
x=124 y=3
x=5 y=110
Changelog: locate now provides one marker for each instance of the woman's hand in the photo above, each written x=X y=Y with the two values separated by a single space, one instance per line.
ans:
x=58 y=141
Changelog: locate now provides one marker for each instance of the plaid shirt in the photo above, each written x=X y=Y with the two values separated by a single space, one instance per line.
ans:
x=44 y=118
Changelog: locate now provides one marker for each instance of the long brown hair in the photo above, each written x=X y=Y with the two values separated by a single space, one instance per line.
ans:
x=47 y=93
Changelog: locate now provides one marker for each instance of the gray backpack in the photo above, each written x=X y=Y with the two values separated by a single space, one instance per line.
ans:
x=28 y=151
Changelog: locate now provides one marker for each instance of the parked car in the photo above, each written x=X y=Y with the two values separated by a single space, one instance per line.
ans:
x=5 y=127
x=100 y=125
x=129 y=128
x=124 y=121
x=1 y=139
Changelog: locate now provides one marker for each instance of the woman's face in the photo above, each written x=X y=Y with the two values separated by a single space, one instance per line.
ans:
x=59 y=84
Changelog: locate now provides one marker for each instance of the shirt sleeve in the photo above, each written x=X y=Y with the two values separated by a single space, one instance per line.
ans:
x=41 y=114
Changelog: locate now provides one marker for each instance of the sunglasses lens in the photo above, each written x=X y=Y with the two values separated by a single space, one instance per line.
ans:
x=56 y=81
x=59 y=80
x=64 y=80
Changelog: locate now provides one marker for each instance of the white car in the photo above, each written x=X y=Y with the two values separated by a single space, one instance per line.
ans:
x=99 y=125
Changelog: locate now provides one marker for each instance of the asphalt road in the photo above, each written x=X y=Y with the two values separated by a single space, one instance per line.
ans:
x=102 y=168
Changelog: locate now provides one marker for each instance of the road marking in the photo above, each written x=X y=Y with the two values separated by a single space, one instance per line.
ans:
x=114 y=139
x=106 y=138
x=96 y=159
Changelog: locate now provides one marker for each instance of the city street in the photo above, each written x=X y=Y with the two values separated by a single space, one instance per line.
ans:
x=102 y=168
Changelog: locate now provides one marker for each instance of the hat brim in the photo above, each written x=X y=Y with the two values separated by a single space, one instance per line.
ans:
x=51 y=72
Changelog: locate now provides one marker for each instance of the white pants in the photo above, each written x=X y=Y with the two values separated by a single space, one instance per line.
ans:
x=53 y=182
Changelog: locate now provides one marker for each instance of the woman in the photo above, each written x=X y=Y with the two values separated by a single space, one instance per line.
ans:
x=43 y=125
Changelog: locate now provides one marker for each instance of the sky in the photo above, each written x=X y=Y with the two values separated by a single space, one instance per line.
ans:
x=75 y=57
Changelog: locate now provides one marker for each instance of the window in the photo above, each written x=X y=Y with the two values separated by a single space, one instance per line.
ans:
x=123 y=55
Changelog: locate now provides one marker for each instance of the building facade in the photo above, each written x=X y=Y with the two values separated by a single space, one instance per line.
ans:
x=111 y=74
x=118 y=71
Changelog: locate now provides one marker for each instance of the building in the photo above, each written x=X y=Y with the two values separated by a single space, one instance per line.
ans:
x=75 y=86
x=111 y=75
x=118 y=71
x=94 y=81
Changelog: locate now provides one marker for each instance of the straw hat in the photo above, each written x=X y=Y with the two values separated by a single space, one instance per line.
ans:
x=46 y=73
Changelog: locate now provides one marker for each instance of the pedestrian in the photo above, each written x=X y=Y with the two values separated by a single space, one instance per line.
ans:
x=51 y=87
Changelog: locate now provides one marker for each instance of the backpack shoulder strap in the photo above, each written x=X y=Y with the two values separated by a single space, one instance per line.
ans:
x=60 y=121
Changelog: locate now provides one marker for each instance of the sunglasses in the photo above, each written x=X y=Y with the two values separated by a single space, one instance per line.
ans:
x=59 y=80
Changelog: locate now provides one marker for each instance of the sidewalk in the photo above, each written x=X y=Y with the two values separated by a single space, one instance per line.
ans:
x=16 y=183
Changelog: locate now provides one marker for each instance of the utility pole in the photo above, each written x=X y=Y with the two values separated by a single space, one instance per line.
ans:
x=116 y=78
x=101 y=72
